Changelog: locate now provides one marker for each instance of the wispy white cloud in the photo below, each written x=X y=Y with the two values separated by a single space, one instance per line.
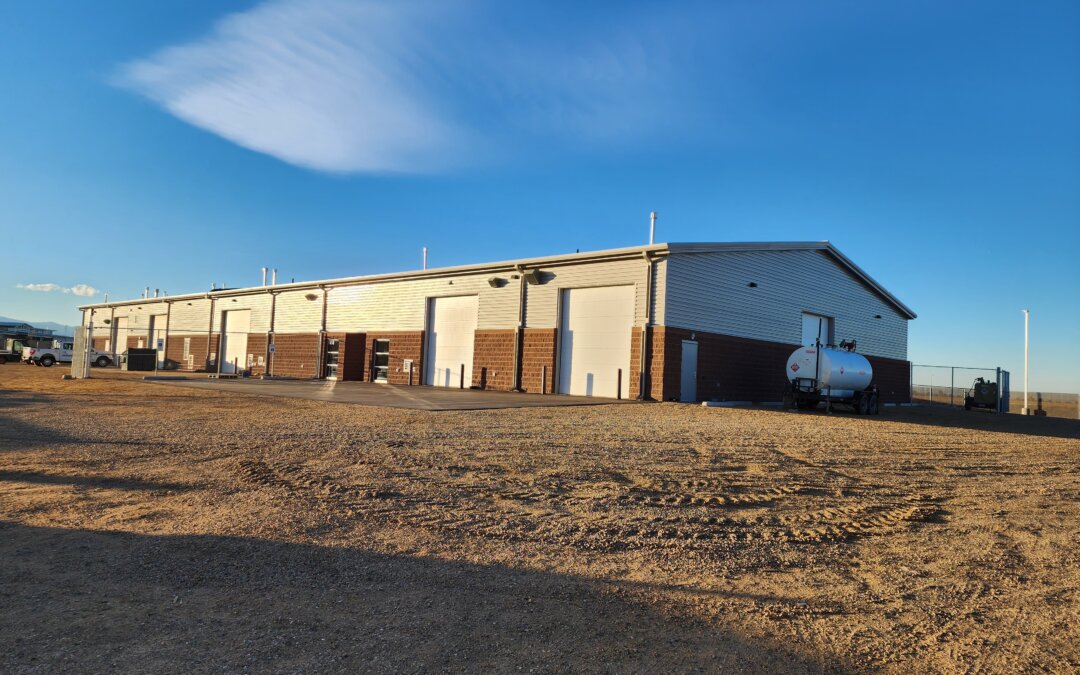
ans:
x=82 y=290
x=405 y=86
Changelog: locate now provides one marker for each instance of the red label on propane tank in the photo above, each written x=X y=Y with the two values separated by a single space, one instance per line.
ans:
x=794 y=367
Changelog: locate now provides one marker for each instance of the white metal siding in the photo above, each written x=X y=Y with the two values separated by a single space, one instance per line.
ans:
x=709 y=292
x=191 y=317
x=400 y=305
x=295 y=313
x=542 y=305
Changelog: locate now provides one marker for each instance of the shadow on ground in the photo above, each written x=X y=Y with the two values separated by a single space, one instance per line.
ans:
x=102 y=601
x=975 y=420
x=100 y=482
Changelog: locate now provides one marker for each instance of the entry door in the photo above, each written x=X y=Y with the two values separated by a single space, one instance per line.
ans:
x=816 y=328
x=157 y=337
x=688 y=390
x=450 y=336
x=235 y=327
x=595 y=327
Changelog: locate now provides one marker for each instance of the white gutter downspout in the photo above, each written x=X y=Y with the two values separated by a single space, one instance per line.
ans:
x=210 y=334
x=322 y=338
x=519 y=332
x=270 y=335
x=643 y=375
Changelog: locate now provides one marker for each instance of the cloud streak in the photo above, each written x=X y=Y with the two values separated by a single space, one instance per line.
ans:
x=81 y=290
x=407 y=86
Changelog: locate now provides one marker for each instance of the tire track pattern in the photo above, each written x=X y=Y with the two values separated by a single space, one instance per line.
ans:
x=592 y=515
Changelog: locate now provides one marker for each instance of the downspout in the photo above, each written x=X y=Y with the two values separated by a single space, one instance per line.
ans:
x=112 y=335
x=210 y=333
x=322 y=338
x=168 y=322
x=519 y=332
x=270 y=335
x=643 y=376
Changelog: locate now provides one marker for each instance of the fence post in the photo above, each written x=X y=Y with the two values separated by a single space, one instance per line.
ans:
x=618 y=386
x=952 y=385
x=999 y=392
x=461 y=382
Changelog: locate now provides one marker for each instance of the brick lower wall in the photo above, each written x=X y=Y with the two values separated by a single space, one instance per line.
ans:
x=296 y=355
x=403 y=345
x=893 y=379
x=493 y=359
x=538 y=351
x=739 y=369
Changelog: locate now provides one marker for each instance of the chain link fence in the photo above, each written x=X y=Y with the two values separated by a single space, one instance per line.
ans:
x=949 y=385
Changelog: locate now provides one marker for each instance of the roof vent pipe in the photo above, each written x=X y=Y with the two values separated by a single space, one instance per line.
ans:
x=273 y=277
x=264 y=276
x=652 y=228
x=156 y=292
x=425 y=257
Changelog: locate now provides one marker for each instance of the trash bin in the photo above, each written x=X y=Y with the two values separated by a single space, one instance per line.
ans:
x=138 y=359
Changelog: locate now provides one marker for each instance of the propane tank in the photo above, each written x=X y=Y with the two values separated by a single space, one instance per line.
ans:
x=840 y=370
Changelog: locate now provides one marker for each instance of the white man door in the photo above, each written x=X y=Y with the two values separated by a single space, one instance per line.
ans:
x=816 y=328
x=450 y=335
x=235 y=326
x=595 y=327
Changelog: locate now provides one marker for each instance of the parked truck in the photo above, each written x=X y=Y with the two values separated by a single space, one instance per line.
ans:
x=61 y=351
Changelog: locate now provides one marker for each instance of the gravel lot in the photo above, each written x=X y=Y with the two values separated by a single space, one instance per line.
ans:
x=147 y=527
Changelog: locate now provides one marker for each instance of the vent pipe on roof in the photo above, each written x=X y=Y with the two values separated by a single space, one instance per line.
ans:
x=652 y=228
x=264 y=276
x=425 y=257
x=273 y=277
x=156 y=292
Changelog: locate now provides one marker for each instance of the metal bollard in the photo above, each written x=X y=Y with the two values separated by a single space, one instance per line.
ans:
x=461 y=381
x=543 y=380
x=618 y=385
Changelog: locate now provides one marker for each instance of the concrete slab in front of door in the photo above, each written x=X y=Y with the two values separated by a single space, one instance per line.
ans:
x=391 y=395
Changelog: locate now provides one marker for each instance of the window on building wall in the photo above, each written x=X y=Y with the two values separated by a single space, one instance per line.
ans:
x=816 y=328
x=380 y=360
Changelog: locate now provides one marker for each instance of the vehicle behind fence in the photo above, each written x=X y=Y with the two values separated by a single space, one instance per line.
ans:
x=950 y=385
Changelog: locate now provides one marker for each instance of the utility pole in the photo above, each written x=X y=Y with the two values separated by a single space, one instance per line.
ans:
x=1024 y=411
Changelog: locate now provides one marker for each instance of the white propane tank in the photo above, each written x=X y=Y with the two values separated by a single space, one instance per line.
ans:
x=841 y=370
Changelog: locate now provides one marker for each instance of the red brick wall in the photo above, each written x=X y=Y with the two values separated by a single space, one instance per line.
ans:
x=256 y=346
x=297 y=355
x=403 y=345
x=99 y=343
x=893 y=379
x=739 y=369
x=538 y=350
x=493 y=359
x=174 y=351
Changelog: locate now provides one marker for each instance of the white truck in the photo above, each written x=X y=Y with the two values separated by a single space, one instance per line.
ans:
x=61 y=352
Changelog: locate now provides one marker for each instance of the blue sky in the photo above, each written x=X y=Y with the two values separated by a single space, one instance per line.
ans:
x=176 y=144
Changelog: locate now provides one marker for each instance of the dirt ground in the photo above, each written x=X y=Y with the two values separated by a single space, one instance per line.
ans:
x=147 y=527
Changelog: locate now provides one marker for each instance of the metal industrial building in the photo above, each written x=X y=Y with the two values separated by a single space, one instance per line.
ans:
x=715 y=321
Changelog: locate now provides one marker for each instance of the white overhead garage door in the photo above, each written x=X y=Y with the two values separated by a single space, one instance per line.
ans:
x=450 y=335
x=594 y=341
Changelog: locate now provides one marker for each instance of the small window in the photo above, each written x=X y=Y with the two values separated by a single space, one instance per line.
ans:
x=380 y=360
x=333 y=350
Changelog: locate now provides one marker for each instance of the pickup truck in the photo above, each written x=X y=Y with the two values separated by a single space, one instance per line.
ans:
x=61 y=352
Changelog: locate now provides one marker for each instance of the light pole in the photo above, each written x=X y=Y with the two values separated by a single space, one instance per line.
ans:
x=1024 y=411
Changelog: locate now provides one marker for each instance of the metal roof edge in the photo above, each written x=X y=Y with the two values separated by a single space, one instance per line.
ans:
x=503 y=265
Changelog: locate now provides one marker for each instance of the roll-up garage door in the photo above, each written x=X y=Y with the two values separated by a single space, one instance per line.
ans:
x=594 y=341
x=450 y=334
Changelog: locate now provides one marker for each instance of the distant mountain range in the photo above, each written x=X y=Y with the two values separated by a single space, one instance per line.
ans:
x=58 y=328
